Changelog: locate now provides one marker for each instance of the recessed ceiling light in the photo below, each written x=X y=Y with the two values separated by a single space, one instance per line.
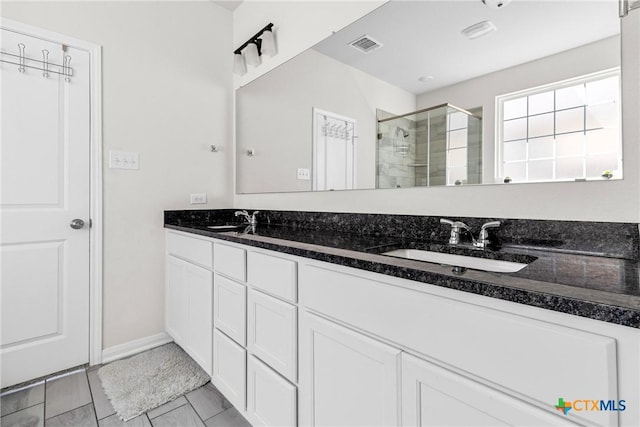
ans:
x=425 y=79
x=478 y=30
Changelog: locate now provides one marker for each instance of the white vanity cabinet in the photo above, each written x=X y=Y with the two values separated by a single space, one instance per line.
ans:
x=461 y=355
x=303 y=342
x=233 y=309
x=189 y=296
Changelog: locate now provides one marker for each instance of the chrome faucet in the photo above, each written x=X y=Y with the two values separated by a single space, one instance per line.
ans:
x=457 y=227
x=251 y=219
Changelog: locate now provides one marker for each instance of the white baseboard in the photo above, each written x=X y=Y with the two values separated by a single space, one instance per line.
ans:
x=132 y=347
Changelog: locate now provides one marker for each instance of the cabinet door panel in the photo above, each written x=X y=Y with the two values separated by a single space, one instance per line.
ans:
x=271 y=400
x=272 y=332
x=175 y=300
x=230 y=369
x=346 y=379
x=199 y=316
x=436 y=397
x=230 y=309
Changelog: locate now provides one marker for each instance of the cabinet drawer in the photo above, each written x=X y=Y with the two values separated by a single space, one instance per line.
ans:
x=273 y=275
x=229 y=369
x=230 y=308
x=191 y=249
x=272 y=332
x=230 y=261
x=271 y=400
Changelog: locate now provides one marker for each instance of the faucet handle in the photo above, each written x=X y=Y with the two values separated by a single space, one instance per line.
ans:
x=454 y=224
x=446 y=221
x=483 y=239
x=490 y=224
x=456 y=228
x=243 y=212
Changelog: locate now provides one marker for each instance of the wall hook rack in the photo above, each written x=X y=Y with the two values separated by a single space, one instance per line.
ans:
x=23 y=62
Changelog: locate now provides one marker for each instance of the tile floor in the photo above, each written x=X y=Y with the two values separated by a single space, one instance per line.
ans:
x=78 y=400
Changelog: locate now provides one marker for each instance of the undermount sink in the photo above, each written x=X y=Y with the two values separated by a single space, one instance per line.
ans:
x=493 y=265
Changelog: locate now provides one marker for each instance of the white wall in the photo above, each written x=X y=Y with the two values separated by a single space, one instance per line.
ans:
x=617 y=201
x=275 y=115
x=167 y=94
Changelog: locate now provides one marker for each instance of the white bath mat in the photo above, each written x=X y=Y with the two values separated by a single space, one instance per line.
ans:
x=150 y=379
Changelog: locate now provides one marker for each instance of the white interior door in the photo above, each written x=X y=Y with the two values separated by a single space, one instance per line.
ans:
x=45 y=165
x=334 y=151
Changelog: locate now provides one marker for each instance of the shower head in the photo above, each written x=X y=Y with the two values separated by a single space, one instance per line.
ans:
x=401 y=132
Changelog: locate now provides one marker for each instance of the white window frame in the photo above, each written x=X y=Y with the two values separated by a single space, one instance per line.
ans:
x=501 y=99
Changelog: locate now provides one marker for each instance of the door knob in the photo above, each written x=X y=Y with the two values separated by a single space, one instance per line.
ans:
x=76 y=224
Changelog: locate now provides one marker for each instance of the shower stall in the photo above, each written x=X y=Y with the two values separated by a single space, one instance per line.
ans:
x=440 y=145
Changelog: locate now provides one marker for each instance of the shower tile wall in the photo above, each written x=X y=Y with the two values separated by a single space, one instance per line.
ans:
x=433 y=152
x=395 y=168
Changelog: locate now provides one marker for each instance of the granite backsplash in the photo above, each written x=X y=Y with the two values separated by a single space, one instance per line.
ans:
x=618 y=240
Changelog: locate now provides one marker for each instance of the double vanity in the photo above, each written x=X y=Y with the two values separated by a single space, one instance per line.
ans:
x=355 y=319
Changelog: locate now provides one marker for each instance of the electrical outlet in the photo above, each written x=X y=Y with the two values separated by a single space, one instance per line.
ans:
x=304 y=174
x=198 y=199
x=124 y=160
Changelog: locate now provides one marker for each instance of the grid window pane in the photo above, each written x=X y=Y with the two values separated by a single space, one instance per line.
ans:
x=605 y=90
x=570 y=168
x=515 y=108
x=541 y=147
x=541 y=103
x=457 y=174
x=516 y=171
x=458 y=138
x=602 y=116
x=457 y=157
x=570 y=120
x=603 y=141
x=515 y=150
x=569 y=97
x=569 y=145
x=540 y=170
x=597 y=164
x=515 y=129
x=541 y=125
x=570 y=132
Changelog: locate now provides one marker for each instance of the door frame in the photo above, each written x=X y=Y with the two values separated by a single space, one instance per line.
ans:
x=95 y=173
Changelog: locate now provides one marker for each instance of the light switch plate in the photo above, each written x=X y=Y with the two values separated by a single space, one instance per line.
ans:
x=198 y=199
x=304 y=174
x=124 y=160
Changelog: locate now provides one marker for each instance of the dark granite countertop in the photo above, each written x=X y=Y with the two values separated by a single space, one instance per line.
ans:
x=572 y=281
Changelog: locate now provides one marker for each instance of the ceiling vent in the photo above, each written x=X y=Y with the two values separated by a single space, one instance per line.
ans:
x=365 y=44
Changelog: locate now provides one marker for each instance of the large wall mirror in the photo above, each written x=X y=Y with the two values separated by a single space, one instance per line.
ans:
x=426 y=93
